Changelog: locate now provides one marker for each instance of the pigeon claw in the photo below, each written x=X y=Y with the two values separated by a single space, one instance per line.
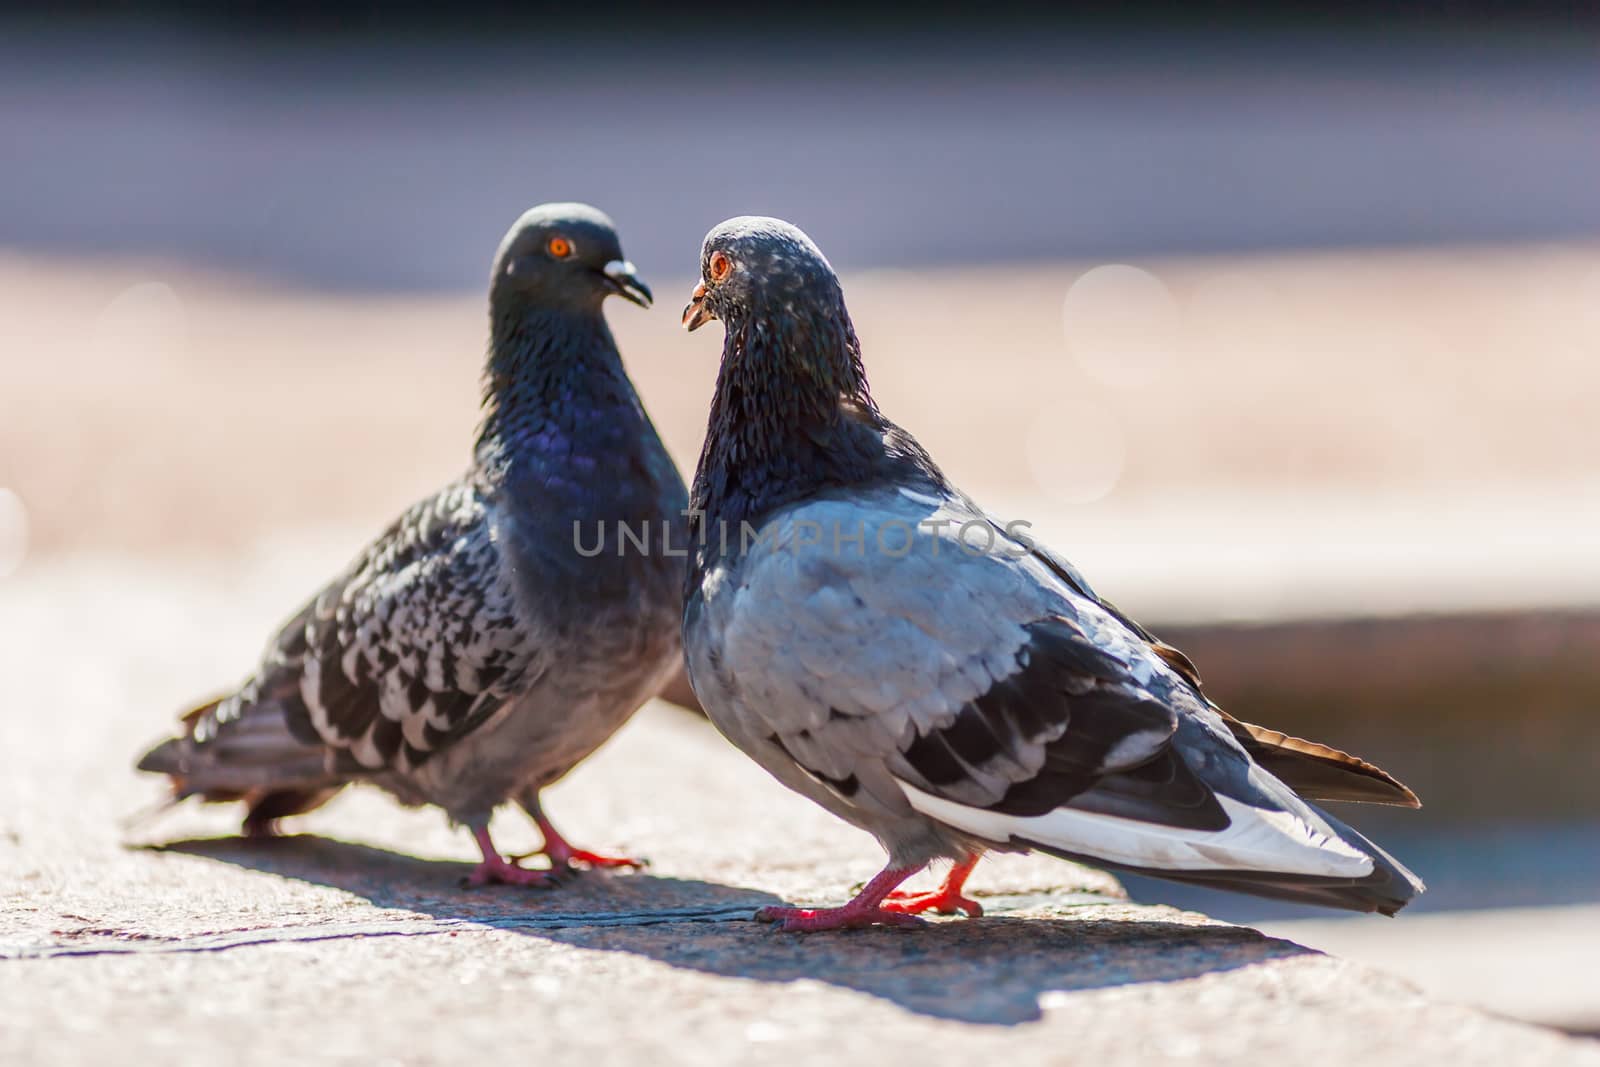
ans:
x=938 y=901
x=848 y=917
x=576 y=859
x=564 y=855
x=865 y=909
x=499 y=871
x=496 y=869
x=948 y=899
x=595 y=859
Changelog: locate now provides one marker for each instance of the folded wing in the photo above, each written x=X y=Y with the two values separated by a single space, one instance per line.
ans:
x=417 y=644
x=1014 y=706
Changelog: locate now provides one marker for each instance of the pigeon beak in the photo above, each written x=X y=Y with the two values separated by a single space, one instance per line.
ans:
x=625 y=281
x=697 y=314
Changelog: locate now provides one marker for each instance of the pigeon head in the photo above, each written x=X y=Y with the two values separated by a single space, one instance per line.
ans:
x=786 y=327
x=552 y=359
x=563 y=256
x=755 y=268
x=792 y=413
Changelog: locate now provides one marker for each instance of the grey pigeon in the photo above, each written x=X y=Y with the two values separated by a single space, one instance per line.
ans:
x=481 y=646
x=880 y=644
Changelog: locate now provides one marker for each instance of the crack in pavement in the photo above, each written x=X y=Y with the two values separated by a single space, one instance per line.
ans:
x=422 y=926
x=412 y=927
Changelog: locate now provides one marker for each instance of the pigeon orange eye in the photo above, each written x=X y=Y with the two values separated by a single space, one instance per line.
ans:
x=559 y=247
x=719 y=267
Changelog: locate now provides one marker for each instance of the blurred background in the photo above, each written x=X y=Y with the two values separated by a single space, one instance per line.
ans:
x=1286 y=329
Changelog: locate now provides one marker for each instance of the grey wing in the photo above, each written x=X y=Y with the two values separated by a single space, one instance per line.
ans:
x=425 y=640
x=421 y=640
x=1002 y=701
x=969 y=677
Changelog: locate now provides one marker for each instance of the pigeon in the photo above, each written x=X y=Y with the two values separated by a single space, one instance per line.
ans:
x=879 y=643
x=493 y=636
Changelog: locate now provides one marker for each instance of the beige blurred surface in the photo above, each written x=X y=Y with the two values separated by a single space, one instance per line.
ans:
x=151 y=408
x=1527 y=963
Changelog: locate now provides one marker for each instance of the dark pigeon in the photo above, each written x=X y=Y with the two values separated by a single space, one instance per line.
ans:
x=880 y=644
x=473 y=654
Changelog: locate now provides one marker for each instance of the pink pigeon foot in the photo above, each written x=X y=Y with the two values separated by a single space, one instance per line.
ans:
x=562 y=853
x=946 y=900
x=865 y=910
x=498 y=870
x=593 y=859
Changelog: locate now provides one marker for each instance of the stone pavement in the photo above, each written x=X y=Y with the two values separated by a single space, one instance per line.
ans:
x=169 y=941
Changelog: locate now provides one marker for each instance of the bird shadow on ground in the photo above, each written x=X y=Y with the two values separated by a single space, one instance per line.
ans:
x=433 y=887
x=992 y=970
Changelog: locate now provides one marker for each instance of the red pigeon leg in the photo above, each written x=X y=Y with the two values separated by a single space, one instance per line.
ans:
x=946 y=900
x=561 y=852
x=865 y=910
x=496 y=869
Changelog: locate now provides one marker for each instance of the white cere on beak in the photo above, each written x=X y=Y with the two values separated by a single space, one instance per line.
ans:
x=618 y=269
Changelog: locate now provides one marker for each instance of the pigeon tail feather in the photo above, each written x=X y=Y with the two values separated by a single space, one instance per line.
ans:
x=226 y=753
x=1317 y=771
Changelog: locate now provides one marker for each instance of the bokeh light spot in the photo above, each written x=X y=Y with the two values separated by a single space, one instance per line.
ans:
x=1121 y=323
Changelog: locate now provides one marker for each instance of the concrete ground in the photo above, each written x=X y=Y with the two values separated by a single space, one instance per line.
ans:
x=165 y=940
